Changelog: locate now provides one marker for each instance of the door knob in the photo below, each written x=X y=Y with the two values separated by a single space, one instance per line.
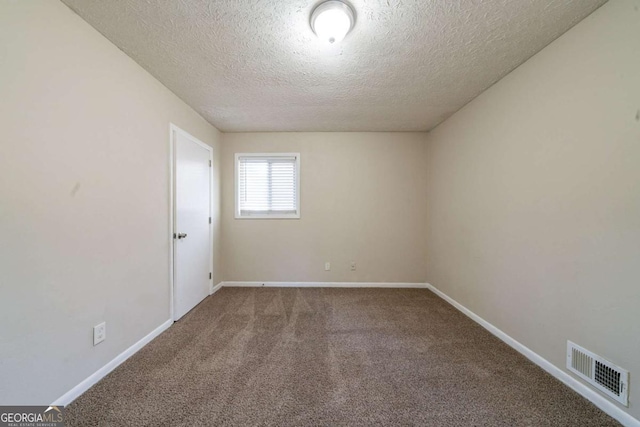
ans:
x=182 y=235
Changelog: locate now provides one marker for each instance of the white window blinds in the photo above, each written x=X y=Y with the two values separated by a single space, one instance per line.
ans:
x=267 y=185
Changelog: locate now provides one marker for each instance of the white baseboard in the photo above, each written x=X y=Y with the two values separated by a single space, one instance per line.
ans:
x=215 y=288
x=325 y=285
x=593 y=396
x=85 y=385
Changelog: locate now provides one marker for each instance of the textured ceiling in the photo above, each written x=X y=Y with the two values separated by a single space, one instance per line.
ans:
x=255 y=65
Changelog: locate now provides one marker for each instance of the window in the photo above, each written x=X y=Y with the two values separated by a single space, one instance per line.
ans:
x=268 y=185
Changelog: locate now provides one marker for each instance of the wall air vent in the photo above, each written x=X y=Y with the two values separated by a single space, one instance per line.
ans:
x=600 y=373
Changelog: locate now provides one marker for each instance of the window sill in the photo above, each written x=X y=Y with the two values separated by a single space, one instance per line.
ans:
x=268 y=216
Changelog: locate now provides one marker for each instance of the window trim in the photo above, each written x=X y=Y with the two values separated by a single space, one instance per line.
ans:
x=237 y=214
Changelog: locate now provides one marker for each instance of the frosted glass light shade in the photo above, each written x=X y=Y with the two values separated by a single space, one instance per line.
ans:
x=332 y=20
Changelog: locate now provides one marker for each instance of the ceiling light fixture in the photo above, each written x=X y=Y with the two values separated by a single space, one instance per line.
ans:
x=332 y=20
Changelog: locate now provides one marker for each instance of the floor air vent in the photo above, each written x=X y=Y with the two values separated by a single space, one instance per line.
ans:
x=602 y=374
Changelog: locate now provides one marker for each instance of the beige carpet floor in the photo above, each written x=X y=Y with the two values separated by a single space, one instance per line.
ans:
x=321 y=356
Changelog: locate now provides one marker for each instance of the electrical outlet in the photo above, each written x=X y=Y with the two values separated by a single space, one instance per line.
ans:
x=99 y=333
x=353 y=266
x=327 y=266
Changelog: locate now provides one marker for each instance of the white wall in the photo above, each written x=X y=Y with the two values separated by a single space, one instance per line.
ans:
x=533 y=196
x=84 y=199
x=362 y=200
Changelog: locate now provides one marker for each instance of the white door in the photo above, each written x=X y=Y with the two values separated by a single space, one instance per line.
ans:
x=192 y=225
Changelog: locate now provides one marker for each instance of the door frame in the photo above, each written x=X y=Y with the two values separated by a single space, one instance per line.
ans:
x=173 y=132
